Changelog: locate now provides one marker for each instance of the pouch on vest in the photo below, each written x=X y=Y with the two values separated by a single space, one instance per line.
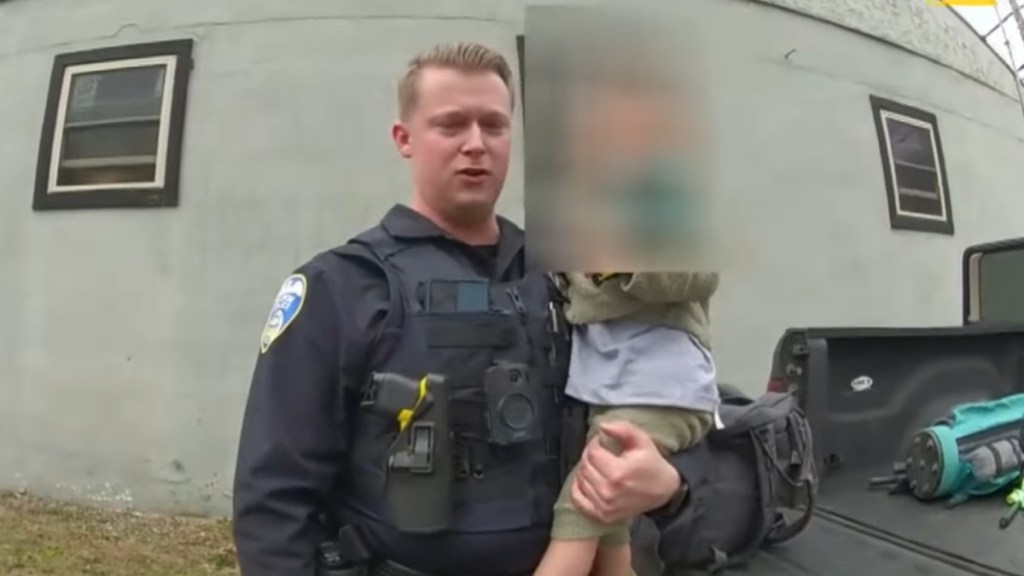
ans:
x=419 y=461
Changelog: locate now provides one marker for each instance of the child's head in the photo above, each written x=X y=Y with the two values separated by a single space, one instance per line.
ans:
x=613 y=140
x=629 y=169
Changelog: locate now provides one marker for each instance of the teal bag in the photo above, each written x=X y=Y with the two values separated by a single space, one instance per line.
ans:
x=975 y=451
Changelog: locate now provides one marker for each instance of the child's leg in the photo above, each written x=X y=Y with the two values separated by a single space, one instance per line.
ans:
x=613 y=554
x=671 y=429
x=574 y=535
x=568 y=558
x=573 y=539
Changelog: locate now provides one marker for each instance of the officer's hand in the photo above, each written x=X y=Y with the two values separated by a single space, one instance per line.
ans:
x=610 y=488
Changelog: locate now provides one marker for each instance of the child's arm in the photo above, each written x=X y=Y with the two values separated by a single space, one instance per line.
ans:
x=670 y=287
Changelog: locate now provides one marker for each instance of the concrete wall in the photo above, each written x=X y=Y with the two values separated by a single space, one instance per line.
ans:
x=798 y=157
x=130 y=334
x=936 y=33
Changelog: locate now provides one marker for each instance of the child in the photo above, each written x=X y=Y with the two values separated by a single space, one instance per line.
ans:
x=631 y=199
x=640 y=354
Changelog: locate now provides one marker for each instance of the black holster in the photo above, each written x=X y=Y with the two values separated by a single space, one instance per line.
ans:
x=347 y=556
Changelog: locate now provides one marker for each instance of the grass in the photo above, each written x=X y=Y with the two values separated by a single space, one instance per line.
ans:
x=42 y=537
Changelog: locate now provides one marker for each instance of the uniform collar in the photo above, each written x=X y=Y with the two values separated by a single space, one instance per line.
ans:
x=403 y=222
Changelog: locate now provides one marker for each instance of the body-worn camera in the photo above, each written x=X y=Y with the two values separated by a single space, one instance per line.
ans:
x=512 y=407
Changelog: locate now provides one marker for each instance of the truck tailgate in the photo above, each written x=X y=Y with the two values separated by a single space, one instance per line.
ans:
x=866 y=392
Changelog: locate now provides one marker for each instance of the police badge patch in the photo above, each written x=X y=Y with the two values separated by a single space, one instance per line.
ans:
x=286 y=308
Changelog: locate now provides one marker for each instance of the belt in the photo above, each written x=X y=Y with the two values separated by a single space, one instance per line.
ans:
x=349 y=556
x=394 y=569
x=372 y=568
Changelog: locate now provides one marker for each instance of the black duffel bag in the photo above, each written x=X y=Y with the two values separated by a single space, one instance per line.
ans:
x=758 y=488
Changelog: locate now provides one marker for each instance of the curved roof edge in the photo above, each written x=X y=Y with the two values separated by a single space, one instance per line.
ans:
x=941 y=35
x=985 y=22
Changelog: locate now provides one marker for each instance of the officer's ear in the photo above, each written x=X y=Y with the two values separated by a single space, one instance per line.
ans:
x=400 y=134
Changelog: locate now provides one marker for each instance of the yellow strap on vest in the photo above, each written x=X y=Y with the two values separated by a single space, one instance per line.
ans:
x=602 y=277
x=405 y=415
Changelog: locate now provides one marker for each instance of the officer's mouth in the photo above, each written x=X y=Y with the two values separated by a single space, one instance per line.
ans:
x=474 y=174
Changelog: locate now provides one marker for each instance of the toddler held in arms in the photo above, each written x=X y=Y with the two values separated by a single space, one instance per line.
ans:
x=640 y=354
x=631 y=199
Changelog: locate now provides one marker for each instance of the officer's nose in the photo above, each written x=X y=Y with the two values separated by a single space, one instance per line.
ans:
x=474 y=143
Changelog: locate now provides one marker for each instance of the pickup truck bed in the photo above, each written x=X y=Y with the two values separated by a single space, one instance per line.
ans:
x=859 y=532
x=866 y=392
x=830 y=549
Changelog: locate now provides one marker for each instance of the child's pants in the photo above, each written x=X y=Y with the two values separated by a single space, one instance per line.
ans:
x=671 y=429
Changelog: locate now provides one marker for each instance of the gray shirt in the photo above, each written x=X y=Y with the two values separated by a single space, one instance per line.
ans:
x=623 y=363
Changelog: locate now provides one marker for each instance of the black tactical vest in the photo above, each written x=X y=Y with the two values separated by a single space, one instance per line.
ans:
x=446 y=319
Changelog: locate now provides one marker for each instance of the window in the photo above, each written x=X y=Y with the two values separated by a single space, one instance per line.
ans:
x=994 y=283
x=915 y=174
x=113 y=127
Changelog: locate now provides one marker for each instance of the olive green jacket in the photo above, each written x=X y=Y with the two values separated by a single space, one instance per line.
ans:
x=679 y=300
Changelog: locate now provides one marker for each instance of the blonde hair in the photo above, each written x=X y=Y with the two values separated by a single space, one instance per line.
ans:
x=467 y=57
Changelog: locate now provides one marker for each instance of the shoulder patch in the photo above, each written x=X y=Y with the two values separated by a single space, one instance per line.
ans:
x=286 y=307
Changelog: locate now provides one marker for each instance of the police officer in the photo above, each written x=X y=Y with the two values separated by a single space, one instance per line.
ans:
x=441 y=287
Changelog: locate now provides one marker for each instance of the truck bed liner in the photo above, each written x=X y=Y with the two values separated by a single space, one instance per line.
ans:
x=832 y=547
x=867 y=392
x=967 y=535
x=857 y=532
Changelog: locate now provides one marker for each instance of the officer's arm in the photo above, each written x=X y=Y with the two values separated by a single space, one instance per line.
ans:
x=293 y=439
x=691 y=465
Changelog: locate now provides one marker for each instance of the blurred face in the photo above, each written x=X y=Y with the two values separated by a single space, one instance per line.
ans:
x=619 y=134
x=458 y=141
x=627 y=125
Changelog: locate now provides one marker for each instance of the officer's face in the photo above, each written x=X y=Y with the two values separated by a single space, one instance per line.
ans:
x=458 y=140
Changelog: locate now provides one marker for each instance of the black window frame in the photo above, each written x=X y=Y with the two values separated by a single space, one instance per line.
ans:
x=521 y=56
x=164 y=196
x=900 y=219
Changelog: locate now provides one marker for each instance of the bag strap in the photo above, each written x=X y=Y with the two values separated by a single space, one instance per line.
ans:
x=801 y=441
x=772 y=526
x=764 y=525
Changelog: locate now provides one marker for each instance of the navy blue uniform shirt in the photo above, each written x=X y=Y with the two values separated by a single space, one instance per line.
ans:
x=292 y=450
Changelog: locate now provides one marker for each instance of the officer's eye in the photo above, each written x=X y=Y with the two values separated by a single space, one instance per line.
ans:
x=451 y=122
x=494 y=124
